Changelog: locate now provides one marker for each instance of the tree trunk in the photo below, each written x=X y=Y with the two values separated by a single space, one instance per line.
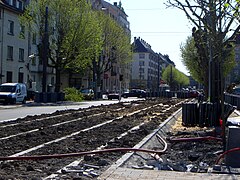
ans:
x=94 y=64
x=58 y=80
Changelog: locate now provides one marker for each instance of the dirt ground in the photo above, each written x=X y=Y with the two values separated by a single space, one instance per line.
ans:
x=121 y=125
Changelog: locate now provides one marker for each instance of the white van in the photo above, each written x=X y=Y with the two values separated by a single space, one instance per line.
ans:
x=13 y=92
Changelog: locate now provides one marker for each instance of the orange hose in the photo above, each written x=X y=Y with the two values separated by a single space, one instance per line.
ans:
x=226 y=152
x=42 y=157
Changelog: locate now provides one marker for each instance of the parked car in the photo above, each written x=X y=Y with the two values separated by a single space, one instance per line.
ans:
x=135 y=93
x=88 y=94
x=114 y=95
x=194 y=93
x=13 y=92
x=236 y=90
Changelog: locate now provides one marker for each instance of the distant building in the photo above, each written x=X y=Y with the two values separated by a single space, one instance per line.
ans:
x=145 y=67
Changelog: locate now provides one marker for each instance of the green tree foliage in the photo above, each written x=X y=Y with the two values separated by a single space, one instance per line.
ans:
x=74 y=33
x=116 y=47
x=198 y=66
x=191 y=61
x=174 y=78
x=116 y=42
x=216 y=24
x=72 y=94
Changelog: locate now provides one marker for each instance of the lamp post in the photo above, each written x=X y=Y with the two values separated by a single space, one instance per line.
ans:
x=45 y=52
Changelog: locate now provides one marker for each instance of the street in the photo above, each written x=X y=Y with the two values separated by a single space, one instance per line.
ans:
x=12 y=112
x=117 y=126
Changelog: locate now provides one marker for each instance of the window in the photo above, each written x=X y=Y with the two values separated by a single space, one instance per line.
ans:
x=52 y=80
x=150 y=56
x=141 y=56
x=141 y=76
x=141 y=63
x=21 y=55
x=9 y=76
x=9 y=53
x=22 y=32
x=10 y=27
x=14 y=3
x=10 y=2
x=141 y=70
x=20 y=5
x=34 y=38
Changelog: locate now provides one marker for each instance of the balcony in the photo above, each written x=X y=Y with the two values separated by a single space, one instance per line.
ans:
x=39 y=69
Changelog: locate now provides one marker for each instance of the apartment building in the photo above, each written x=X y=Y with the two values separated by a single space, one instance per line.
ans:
x=19 y=60
x=13 y=43
x=19 y=52
x=111 y=79
x=147 y=66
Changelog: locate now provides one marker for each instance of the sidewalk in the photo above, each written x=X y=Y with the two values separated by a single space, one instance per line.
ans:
x=133 y=174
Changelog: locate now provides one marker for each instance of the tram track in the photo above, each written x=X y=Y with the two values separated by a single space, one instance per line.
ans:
x=113 y=127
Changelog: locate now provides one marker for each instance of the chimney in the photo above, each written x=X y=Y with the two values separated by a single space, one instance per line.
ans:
x=115 y=3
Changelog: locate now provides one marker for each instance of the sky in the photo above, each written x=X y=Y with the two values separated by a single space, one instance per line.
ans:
x=164 y=29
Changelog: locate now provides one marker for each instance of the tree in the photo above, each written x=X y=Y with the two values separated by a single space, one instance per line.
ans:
x=174 y=78
x=116 y=47
x=198 y=66
x=213 y=21
x=74 y=34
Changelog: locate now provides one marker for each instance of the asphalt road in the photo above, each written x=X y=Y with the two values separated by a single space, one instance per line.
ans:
x=12 y=112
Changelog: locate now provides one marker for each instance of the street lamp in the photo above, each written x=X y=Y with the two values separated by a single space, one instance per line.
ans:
x=45 y=51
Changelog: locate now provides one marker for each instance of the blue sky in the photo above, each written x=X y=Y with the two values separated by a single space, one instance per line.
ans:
x=163 y=28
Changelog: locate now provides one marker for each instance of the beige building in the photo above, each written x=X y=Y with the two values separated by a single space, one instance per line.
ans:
x=13 y=43
x=111 y=79
x=19 y=60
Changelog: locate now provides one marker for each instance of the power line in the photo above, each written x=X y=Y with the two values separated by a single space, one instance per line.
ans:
x=149 y=9
x=163 y=32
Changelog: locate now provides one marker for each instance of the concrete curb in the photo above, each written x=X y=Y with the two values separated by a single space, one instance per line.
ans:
x=145 y=143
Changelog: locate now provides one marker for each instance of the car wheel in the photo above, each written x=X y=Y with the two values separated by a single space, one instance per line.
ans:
x=24 y=101
x=13 y=101
x=125 y=96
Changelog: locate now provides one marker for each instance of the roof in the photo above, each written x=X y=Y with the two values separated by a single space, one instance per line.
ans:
x=9 y=84
x=6 y=5
x=141 y=46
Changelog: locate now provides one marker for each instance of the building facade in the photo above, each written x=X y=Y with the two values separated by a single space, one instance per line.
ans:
x=147 y=67
x=19 y=60
x=13 y=43
x=111 y=79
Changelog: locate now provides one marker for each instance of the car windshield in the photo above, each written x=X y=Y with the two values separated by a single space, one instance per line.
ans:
x=236 y=90
x=86 y=91
x=7 y=88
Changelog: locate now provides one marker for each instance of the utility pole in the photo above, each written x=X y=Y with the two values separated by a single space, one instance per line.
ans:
x=45 y=52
